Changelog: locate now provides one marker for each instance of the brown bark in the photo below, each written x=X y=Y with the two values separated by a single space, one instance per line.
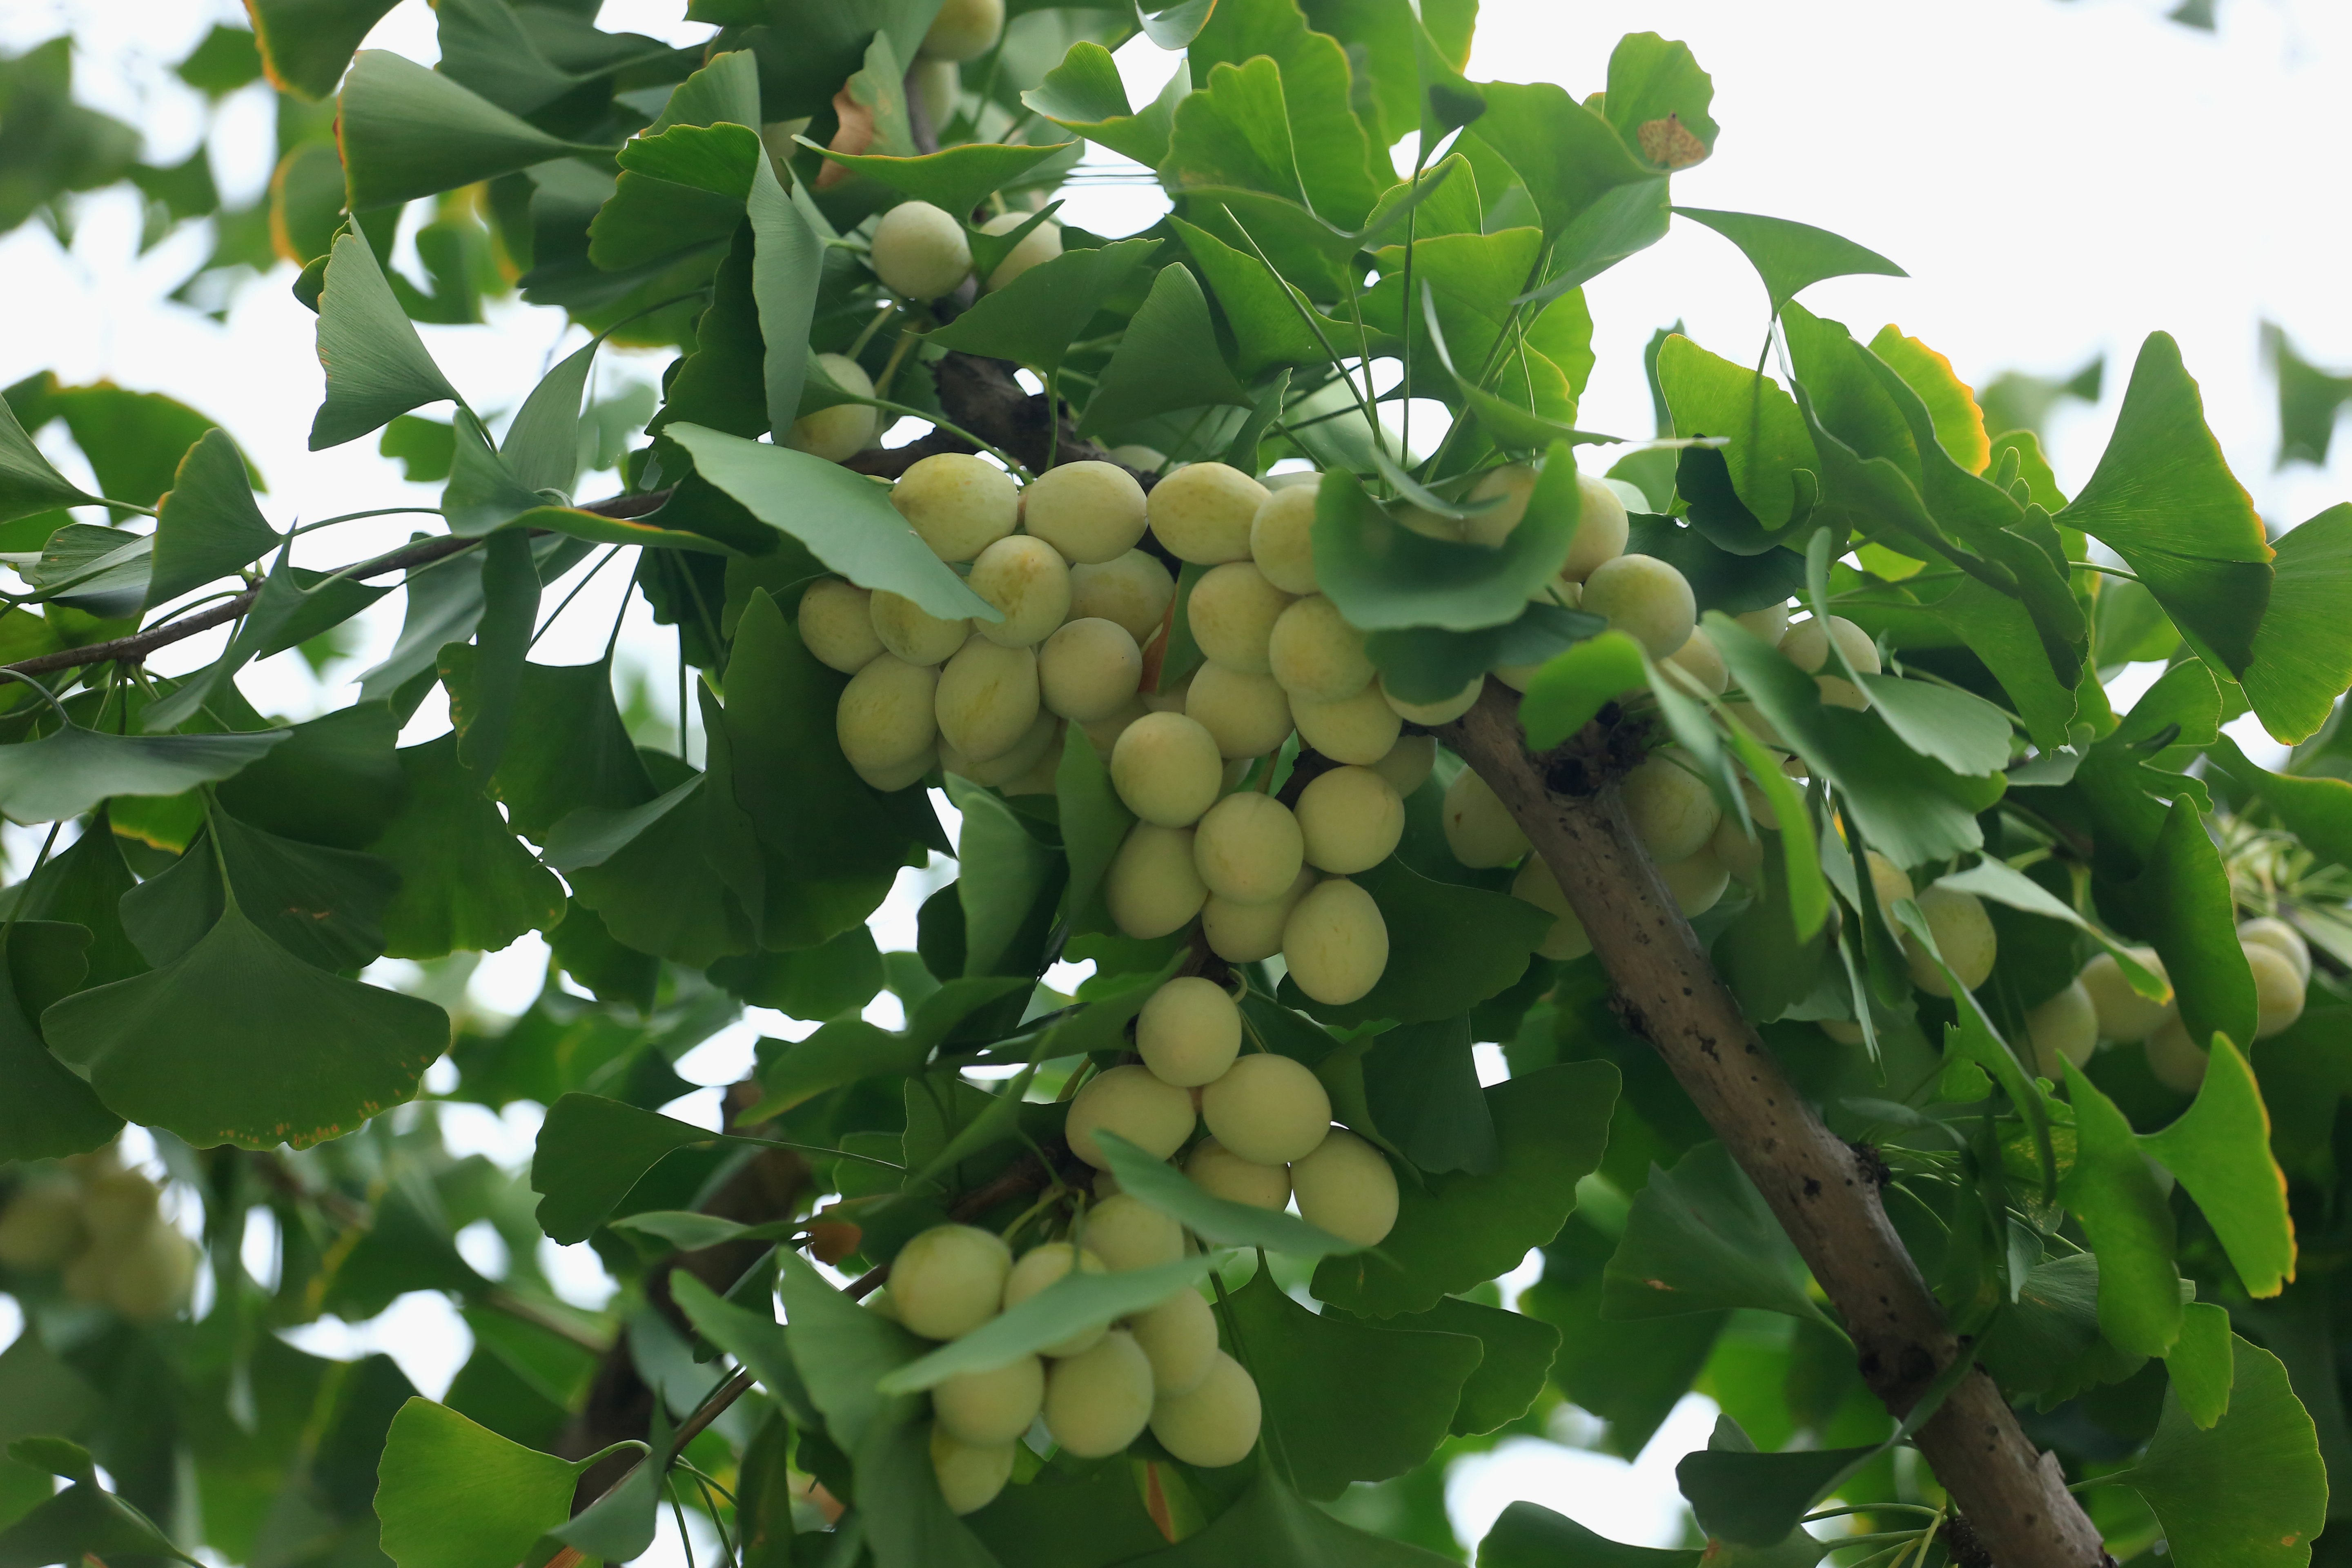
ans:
x=982 y=395
x=2013 y=1496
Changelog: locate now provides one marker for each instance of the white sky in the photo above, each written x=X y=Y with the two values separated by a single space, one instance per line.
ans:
x=2060 y=177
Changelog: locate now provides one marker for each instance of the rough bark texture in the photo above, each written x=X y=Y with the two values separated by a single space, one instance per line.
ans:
x=2013 y=1496
x=984 y=398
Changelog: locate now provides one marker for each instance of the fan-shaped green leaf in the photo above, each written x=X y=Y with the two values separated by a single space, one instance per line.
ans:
x=1168 y=360
x=376 y=365
x=1084 y=94
x=305 y=43
x=70 y=770
x=2220 y=1148
x=1034 y=320
x=1214 y=1219
x=407 y=130
x=207 y=525
x=1790 y=256
x=2251 y=1492
x=1701 y=1239
x=2303 y=648
x=453 y=1494
x=2110 y=1189
x=47 y=1112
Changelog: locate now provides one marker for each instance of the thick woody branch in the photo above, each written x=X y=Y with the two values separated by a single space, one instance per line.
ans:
x=982 y=395
x=2013 y=1496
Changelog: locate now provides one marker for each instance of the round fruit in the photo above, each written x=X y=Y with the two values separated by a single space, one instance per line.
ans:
x=42 y=1226
x=1671 y=810
x=934 y=84
x=1361 y=729
x=1601 y=528
x=1335 y=942
x=1768 y=625
x=1040 y=244
x=836 y=624
x=1134 y=589
x=1409 y=764
x=1429 y=715
x=1889 y=883
x=1219 y=1172
x=1248 y=848
x=949 y=1280
x=1741 y=855
x=1282 y=538
x=1646 y=598
x=1842 y=1031
x=1152 y=887
x=1128 y=1234
x=2174 y=1056
x=903 y=776
x=2277 y=933
x=1232 y=614
x=1189 y=1032
x=920 y=252
x=1244 y=933
x=959 y=503
x=1025 y=578
x=885 y=717
x=1536 y=885
x=987 y=698
x=1315 y=654
x=1180 y=1338
x=1098 y=1402
x=1513 y=484
x=149 y=1272
x=1046 y=1265
x=1202 y=513
x=1213 y=1425
x=963 y=30
x=1350 y=819
x=1807 y=646
x=1268 y=1110
x=1963 y=934
x=995 y=1406
x=1093 y=512
x=1155 y=1117
x=969 y=1478
x=2124 y=1014
x=1004 y=771
x=2278 y=989
x=1167 y=769
x=908 y=631
x=839 y=433
x=1347 y=1187
x=1089 y=670
x=1697 y=882
x=2065 y=1028
x=1698 y=665
x=1248 y=714
x=1479 y=828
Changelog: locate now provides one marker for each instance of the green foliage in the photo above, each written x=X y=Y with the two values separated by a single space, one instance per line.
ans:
x=454 y=1495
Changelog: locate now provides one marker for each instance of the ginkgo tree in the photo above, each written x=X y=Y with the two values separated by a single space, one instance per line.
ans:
x=1921 y=1057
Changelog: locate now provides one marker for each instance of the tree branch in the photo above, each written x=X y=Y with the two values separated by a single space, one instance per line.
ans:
x=982 y=395
x=2013 y=1496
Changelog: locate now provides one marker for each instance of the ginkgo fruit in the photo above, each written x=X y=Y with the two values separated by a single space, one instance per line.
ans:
x=1536 y=885
x=1510 y=486
x=1167 y=769
x=968 y=1477
x=2278 y=989
x=1889 y=884
x=1232 y=614
x=1429 y=715
x=1099 y=1402
x=1244 y=933
x=1133 y=590
x=1647 y=599
x=1361 y=729
x=1315 y=654
x=1089 y=669
x=887 y=715
x=1213 y=1424
x=2125 y=1014
x=836 y=620
x=1479 y=828
x=987 y=697
x=1092 y=512
x=1350 y=819
x=1028 y=580
x=1133 y=1104
x=1152 y=887
x=839 y=433
x=1248 y=714
x=1601 y=528
x=1179 y=1337
x=2063 y=1029
x=1347 y=1187
x=959 y=504
x=2268 y=932
x=920 y=251
x=1740 y=854
x=993 y=1406
x=1189 y=1032
x=1697 y=881
x=1128 y=1234
x=910 y=632
x=1408 y=763
x=42 y=1226
x=1009 y=770
x=1039 y=246
x=1202 y=513
x=1698 y=665
x=1219 y=1172
x=1049 y=1263
x=1964 y=935
x=1267 y=1108
x=1767 y=625
x=1335 y=942
x=1282 y=538
x=950 y=1279
x=1670 y=808
x=1806 y=645
x=1248 y=848
x=2174 y=1056
x=963 y=30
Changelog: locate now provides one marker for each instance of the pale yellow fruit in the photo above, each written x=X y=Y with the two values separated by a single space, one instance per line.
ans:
x=2278 y=990
x=1479 y=828
x=1964 y=935
x=1103 y=733
x=1268 y=1110
x=1040 y=245
x=1335 y=942
x=1347 y=1187
x=1248 y=714
x=1002 y=771
x=1243 y=933
x=2065 y=1028
x=1408 y=764
x=2174 y=1056
x=148 y=1277
x=1315 y=654
x=1741 y=855
x=1807 y=646
x=970 y=1477
x=1837 y=691
x=1089 y=669
x=1040 y=777
x=1128 y=1234
x=1189 y=1032
x=1282 y=538
x=1350 y=819
x=1136 y=454
x=1047 y=1265
x=908 y=631
x=1232 y=614
x=1026 y=579
x=836 y=624
x=1750 y=717
x=1361 y=729
x=1167 y=769
x=1098 y=1402
x=42 y=1226
x=903 y=776
x=1248 y=848
x=2277 y=933
x=987 y=698
x=949 y=1280
x=2124 y=1014
x=1696 y=882
x=1842 y=1031
x=1514 y=484
x=1698 y=666
x=1152 y=887
x=1601 y=528
x=1212 y=1424
x=994 y=1406
x=1767 y=625
x=1092 y=512
x=1647 y=598
x=1429 y=715
x=1514 y=675
x=1671 y=810
x=885 y=717
x=1130 y=1102
x=116 y=1204
x=1219 y=1172
x=1759 y=808
x=1179 y=1337
x=935 y=84
x=1133 y=589
x=839 y=433
x=1202 y=513
x=920 y=251
x=963 y=30
x=959 y=503
x=1536 y=885
x=1170 y=698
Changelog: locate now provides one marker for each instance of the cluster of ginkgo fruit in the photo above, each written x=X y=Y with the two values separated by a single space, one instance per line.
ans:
x=98 y=1225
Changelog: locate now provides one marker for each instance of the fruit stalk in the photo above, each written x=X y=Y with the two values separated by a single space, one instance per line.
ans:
x=1669 y=993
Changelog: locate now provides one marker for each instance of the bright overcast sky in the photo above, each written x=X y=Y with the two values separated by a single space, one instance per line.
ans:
x=2060 y=177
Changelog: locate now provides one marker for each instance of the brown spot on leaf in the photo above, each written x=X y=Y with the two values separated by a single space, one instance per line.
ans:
x=1670 y=141
x=855 y=135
